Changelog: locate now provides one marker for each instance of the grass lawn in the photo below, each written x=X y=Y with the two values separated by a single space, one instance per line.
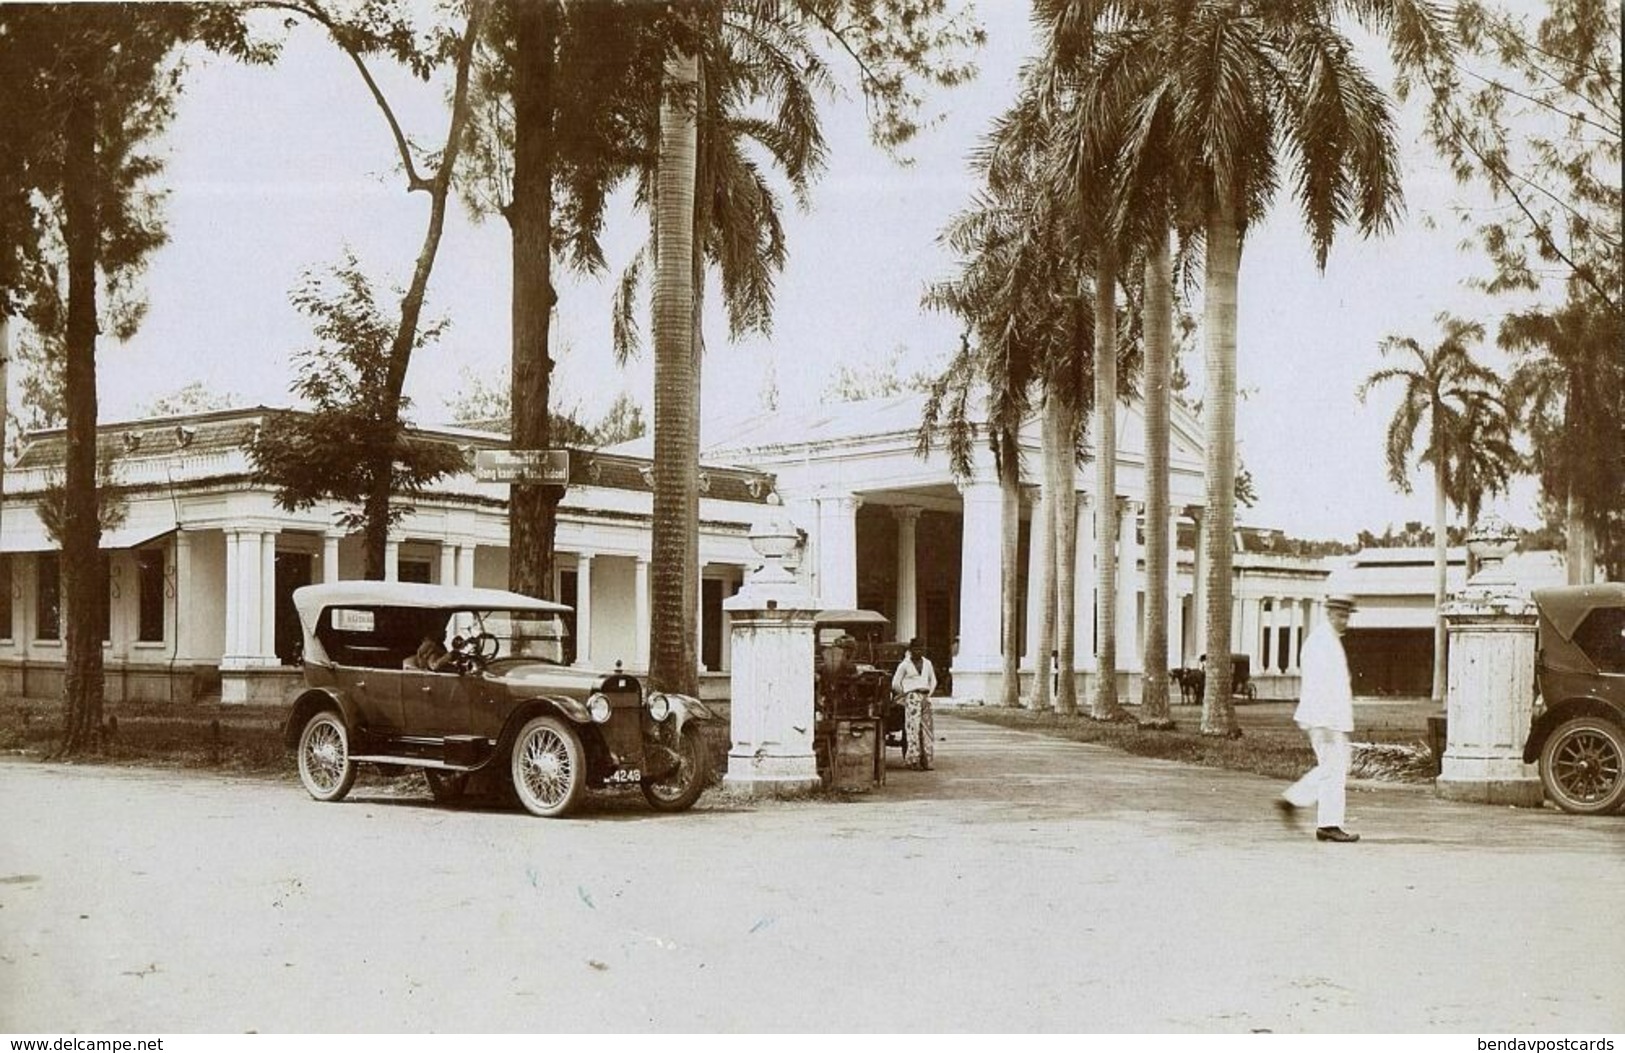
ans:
x=1390 y=738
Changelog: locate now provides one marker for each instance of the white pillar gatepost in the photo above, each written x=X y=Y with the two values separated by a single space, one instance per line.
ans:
x=392 y=560
x=1085 y=575
x=1038 y=542
x=838 y=549
x=1128 y=586
x=978 y=664
x=330 y=556
x=584 y=609
x=640 y=611
x=771 y=688
x=908 y=597
x=1491 y=686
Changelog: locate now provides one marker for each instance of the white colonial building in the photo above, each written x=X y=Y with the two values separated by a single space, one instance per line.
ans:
x=202 y=565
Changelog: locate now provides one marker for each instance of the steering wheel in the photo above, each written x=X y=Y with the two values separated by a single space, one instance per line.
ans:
x=483 y=647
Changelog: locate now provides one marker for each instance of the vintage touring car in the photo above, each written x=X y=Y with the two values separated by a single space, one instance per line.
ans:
x=468 y=683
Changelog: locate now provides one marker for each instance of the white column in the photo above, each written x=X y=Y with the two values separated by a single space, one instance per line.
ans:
x=330 y=556
x=699 y=617
x=392 y=561
x=908 y=597
x=1251 y=609
x=1085 y=574
x=838 y=549
x=584 y=609
x=183 y=595
x=1128 y=585
x=1198 y=583
x=234 y=597
x=1294 y=633
x=1176 y=606
x=640 y=611
x=267 y=640
x=465 y=566
x=979 y=585
x=448 y=563
x=1038 y=540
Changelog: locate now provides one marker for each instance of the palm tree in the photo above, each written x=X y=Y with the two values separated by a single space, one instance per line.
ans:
x=1442 y=386
x=1233 y=88
x=1159 y=544
x=673 y=579
x=1567 y=389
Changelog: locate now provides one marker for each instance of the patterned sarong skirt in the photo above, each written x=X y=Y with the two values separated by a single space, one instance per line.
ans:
x=919 y=736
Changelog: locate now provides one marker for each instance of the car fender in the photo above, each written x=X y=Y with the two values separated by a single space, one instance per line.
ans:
x=541 y=706
x=1554 y=716
x=310 y=702
x=685 y=708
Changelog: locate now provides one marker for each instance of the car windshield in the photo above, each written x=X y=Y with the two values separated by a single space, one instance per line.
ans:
x=532 y=635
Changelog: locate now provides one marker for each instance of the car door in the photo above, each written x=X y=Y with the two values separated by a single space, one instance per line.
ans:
x=377 y=694
x=434 y=704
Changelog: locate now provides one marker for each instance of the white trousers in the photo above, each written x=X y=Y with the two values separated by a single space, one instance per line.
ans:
x=1326 y=785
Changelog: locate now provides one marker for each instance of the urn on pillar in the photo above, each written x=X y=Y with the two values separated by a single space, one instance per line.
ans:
x=772 y=668
x=1491 y=682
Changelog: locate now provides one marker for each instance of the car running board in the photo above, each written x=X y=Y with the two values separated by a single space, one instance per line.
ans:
x=408 y=762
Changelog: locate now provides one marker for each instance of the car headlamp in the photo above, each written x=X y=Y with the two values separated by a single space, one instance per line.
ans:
x=598 y=708
x=659 y=706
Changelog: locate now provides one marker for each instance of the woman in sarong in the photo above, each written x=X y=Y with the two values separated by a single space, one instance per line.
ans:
x=915 y=679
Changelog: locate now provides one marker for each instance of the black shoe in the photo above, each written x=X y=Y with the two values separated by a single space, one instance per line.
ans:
x=1287 y=811
x=1335 y=833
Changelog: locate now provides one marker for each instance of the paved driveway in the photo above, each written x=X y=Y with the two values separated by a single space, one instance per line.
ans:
x=1028 y=884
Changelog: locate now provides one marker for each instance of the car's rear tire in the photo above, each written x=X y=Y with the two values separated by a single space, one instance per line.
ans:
x=325 y=766
x=1582 y=766
x=446 y=787
x=678 y=791
x=549 y=767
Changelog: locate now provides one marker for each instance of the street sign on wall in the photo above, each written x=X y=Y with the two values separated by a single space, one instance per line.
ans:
x=549 y=467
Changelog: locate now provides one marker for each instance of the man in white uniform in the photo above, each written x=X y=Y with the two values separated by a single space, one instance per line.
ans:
x=1326 y=712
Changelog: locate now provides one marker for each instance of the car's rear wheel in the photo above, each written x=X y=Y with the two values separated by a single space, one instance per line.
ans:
x=679 y=789
x=549 y=773
x=446 y=787
x=1583 y=766
x=325 y=766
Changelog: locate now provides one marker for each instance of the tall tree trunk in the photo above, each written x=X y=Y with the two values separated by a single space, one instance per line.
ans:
x=1009 y=567
x=1043 y=534
x=1064 y=512
x=532 y=508
x=382 y=477
x=5 y=386
x=1104 y=704
x=1574 y=535
x=1159 y=544
x=672 y=576
x=1222 y=270
x=1440 y=569
x=81 y=526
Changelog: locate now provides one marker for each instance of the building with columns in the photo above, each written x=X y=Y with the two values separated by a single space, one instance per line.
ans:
x=203 y=564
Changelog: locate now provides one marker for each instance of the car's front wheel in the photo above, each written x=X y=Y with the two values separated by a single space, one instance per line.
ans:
x=325 y=766
x=1583 y=766
x=549 y=773
x=679 y=789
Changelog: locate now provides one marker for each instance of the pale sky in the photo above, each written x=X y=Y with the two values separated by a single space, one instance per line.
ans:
x=273 y=171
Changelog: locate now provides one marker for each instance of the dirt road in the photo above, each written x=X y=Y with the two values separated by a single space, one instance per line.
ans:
x=1027 y=885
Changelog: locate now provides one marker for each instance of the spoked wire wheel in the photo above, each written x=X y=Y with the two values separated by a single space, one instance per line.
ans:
x=549 y=773
x=325 y=766
x=1583 y=766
